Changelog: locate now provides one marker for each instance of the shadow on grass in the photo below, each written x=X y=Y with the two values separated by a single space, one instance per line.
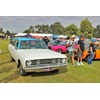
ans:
x=5 y=70
x=35 y=74
x=11 y=77
x=96 y=59
x=5 y=62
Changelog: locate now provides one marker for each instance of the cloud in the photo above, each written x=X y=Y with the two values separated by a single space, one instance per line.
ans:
x=20 y=23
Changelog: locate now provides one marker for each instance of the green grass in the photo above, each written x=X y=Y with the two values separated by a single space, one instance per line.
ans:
x=81 y=74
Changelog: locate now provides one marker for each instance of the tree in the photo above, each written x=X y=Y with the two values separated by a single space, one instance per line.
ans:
x=27 y=31
x=7 y=32
x=96 y=32
x=38 y=28
x=71 y=29
x=86 y=27
x=1 y=30
x=45 y=28
x=42 y=28
x=31 y=28
x=57 y=28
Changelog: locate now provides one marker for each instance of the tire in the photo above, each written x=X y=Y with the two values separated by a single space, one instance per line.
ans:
x=55 y=71
x=59 y=50
x=22 y=71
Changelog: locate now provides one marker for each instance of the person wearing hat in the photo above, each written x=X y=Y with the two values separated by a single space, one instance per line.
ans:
x=46 y=40
x=70 y=48
x=80 y=50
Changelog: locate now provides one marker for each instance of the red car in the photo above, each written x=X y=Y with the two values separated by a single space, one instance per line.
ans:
x=58 y=47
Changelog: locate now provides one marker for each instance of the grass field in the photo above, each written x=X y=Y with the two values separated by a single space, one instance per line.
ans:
x=80 y=74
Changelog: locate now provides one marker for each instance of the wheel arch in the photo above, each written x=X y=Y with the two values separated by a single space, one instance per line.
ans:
x=59 y=49
x=18 y=63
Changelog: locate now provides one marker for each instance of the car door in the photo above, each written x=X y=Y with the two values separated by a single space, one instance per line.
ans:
x=15 y=50
x=97 y=54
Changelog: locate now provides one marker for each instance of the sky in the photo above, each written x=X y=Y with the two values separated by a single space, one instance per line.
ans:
x=20 y=23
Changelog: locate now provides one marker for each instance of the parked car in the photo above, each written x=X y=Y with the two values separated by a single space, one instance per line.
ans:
x=96 y=56
x=65 y=42
x=32 y=55
x=86 y=54
x=58 y=47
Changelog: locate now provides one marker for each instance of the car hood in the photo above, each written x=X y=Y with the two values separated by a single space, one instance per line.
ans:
x=33 y=54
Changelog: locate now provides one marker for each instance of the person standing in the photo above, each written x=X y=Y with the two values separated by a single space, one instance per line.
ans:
x=46 y=40
x=70 y=47
x=92 y=50
x=80 y=50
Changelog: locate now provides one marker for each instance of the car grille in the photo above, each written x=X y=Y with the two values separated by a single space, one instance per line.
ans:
x=46 y=61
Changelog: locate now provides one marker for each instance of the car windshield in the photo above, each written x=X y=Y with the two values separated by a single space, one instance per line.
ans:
x=87 y=43
x=31 y=44
x=63 y=43
x=54 y=44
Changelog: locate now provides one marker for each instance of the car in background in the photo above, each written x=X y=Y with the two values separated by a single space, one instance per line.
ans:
x=96 y=55
x=86 y=54
x=57 y=46
x=98 y=39
x=65 y=42
x=32 y=55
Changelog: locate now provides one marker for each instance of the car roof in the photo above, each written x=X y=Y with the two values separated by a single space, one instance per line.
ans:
x=21 y=39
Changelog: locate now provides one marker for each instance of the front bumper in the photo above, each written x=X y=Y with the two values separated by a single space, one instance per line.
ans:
x=45 y=68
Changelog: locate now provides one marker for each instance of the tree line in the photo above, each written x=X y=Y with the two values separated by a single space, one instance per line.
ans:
x=86 y=28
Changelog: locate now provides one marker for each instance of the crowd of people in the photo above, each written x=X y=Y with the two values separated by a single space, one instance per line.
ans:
x=4 y=37
x=70 y=43
x=80 y=50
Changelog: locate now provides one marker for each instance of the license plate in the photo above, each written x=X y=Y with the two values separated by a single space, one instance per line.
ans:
x=47 y=69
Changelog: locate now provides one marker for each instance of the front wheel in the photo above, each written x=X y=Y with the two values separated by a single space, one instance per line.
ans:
x=55 y=71
x=22 y=71
x=59 y=50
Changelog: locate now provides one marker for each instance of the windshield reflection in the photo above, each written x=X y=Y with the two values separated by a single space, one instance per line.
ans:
x=30 y=44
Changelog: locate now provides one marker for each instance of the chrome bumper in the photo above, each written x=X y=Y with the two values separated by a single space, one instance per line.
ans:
x=45 y=68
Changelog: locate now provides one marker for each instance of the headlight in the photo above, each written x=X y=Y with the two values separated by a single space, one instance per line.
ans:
x=29 y=63
x=63 y=60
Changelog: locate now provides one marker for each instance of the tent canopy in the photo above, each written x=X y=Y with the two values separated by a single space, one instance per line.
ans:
x=21 y=34
x=1 y=34
x=62 y=36
x=28 y=35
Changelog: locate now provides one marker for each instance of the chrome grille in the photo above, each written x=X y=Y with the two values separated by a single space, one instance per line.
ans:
x=46 y=61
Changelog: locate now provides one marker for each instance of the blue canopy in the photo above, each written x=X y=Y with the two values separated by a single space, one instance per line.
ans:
x=93 y=39
x=54 y=36
x=28 y=35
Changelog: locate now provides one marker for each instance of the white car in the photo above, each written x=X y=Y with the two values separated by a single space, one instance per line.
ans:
x=32 y=55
